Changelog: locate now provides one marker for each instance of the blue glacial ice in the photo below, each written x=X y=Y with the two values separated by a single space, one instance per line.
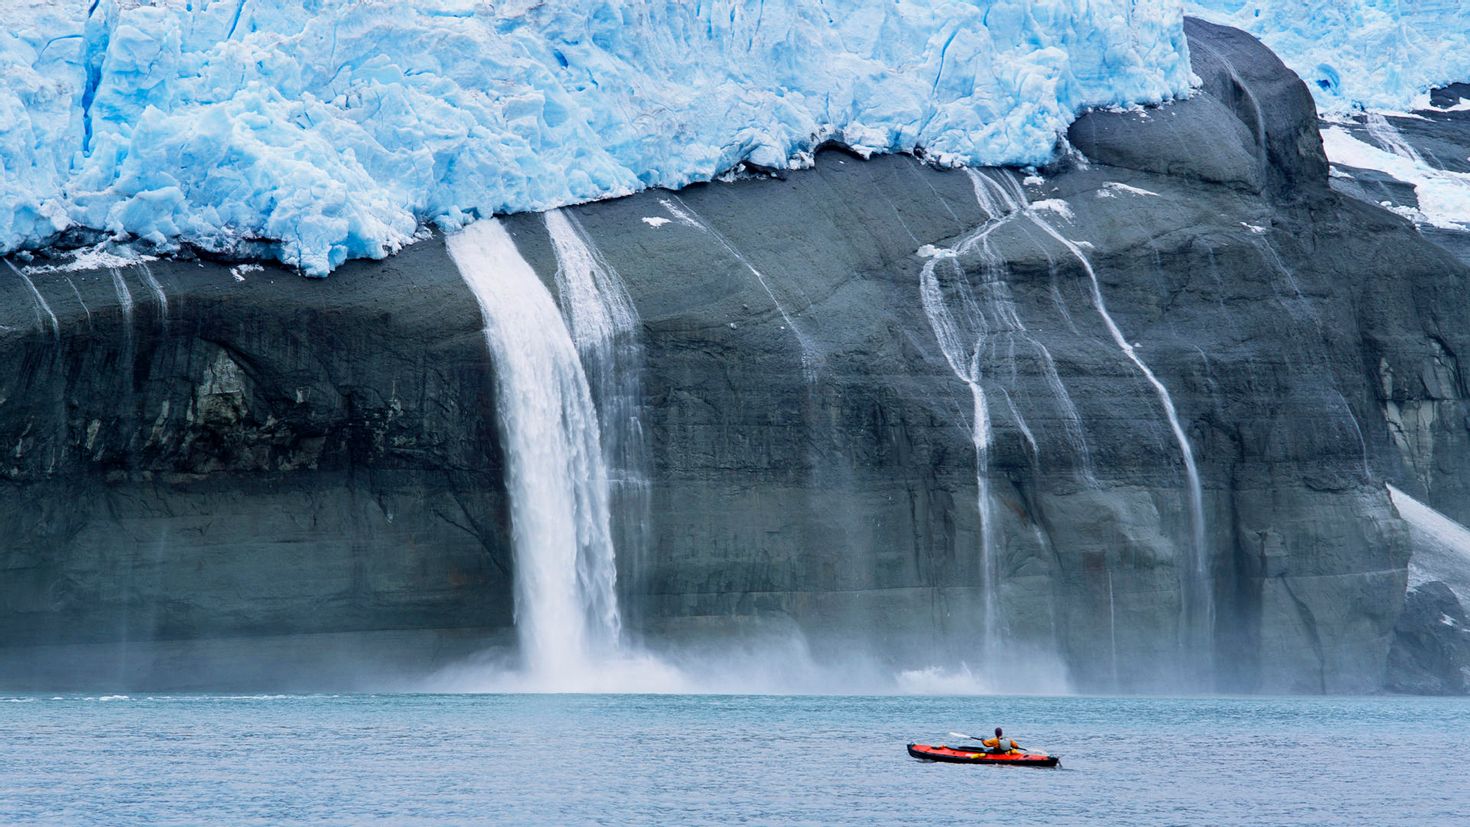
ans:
x=1373 y=54
x=317 y=131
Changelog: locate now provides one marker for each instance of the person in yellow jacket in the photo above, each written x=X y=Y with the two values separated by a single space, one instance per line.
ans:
x=1000 y=744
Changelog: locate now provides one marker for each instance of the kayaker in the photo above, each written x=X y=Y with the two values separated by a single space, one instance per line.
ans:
x=1000 y=744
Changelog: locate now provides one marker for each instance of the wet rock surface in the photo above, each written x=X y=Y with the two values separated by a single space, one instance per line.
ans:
x=1431 y=649
x=274 y=467
x=192 y=455
x=1421 y=386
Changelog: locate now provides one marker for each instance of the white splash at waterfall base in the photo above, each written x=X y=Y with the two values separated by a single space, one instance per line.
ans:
x=568 y=620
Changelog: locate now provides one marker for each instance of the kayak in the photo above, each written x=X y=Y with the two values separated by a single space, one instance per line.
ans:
x=959 y=755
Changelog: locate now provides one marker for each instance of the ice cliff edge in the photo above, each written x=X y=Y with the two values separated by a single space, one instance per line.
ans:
x=321 y=131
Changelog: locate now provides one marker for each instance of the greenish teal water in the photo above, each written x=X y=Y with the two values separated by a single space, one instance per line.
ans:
x=649 y=759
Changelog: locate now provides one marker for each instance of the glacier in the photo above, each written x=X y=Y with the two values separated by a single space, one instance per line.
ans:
x=1358 y=54
x=315 y=132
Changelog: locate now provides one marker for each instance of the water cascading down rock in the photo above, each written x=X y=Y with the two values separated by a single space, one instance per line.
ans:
x=970 y=315
x=230 y=479
x=603 y=325
x=1197 y=605
x=566 y=609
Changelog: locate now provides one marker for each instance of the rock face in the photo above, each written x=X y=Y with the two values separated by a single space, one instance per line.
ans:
x=191 y=457
x=1421 y=387
x=1432 y=650
x=1423 y=392
x=281 y=481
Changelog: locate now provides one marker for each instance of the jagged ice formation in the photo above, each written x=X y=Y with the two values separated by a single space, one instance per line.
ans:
x=321 y=131
x=1376 y=54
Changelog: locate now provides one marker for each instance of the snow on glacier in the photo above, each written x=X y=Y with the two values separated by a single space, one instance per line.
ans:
x=1443 y=195
x=321 y=130
x=1373 y=54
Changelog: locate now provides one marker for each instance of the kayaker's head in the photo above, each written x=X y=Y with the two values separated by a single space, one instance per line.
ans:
x=998 y=733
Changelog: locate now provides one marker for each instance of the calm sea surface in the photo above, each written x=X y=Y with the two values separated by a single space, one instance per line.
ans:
x=645 y=759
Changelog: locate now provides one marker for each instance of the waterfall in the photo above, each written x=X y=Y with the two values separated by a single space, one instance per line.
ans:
x=148 y=278
x=684 y=214
x=44 y=317
x=566 y=608
x=962 y=349
x=1358 y=432
x=603 y=325
x=970 y=317
x=124 y=296
x=1245 y=89
x=1197 y=606
x=1003 y=199
x=1389 y=138
x=1112 y=627
x=966 y=317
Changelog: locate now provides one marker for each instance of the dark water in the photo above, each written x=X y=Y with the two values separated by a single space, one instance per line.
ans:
x=645 y=759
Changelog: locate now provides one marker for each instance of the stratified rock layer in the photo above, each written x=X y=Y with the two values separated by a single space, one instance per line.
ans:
x=281 y=481
x=191 y=457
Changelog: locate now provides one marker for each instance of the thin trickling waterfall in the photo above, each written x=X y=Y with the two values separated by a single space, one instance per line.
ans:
x=604 y=327
x=966 y=327
x=566 y=604
x=962 y=329
x=972 y=315
x=1112 y=628
x=1357 y=432
x=1002 y=198
x=124 y=296
x=1311 y=355
x=684 y=214
x=1020 y=420
x=148 y=279
x=1388 y=137
x=44 y=317
x=1197 y=608
x=1259 y=127
x=966 y=317
x=125 y=302
x=78 y=293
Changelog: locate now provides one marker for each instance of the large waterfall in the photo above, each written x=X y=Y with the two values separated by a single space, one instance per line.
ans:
x=566 y=604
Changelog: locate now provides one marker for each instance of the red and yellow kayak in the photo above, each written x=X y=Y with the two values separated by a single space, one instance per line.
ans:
x=960 y=755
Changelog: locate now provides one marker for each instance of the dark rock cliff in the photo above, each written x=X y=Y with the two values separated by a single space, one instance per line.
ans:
x=271 y=480
x=190 y=456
